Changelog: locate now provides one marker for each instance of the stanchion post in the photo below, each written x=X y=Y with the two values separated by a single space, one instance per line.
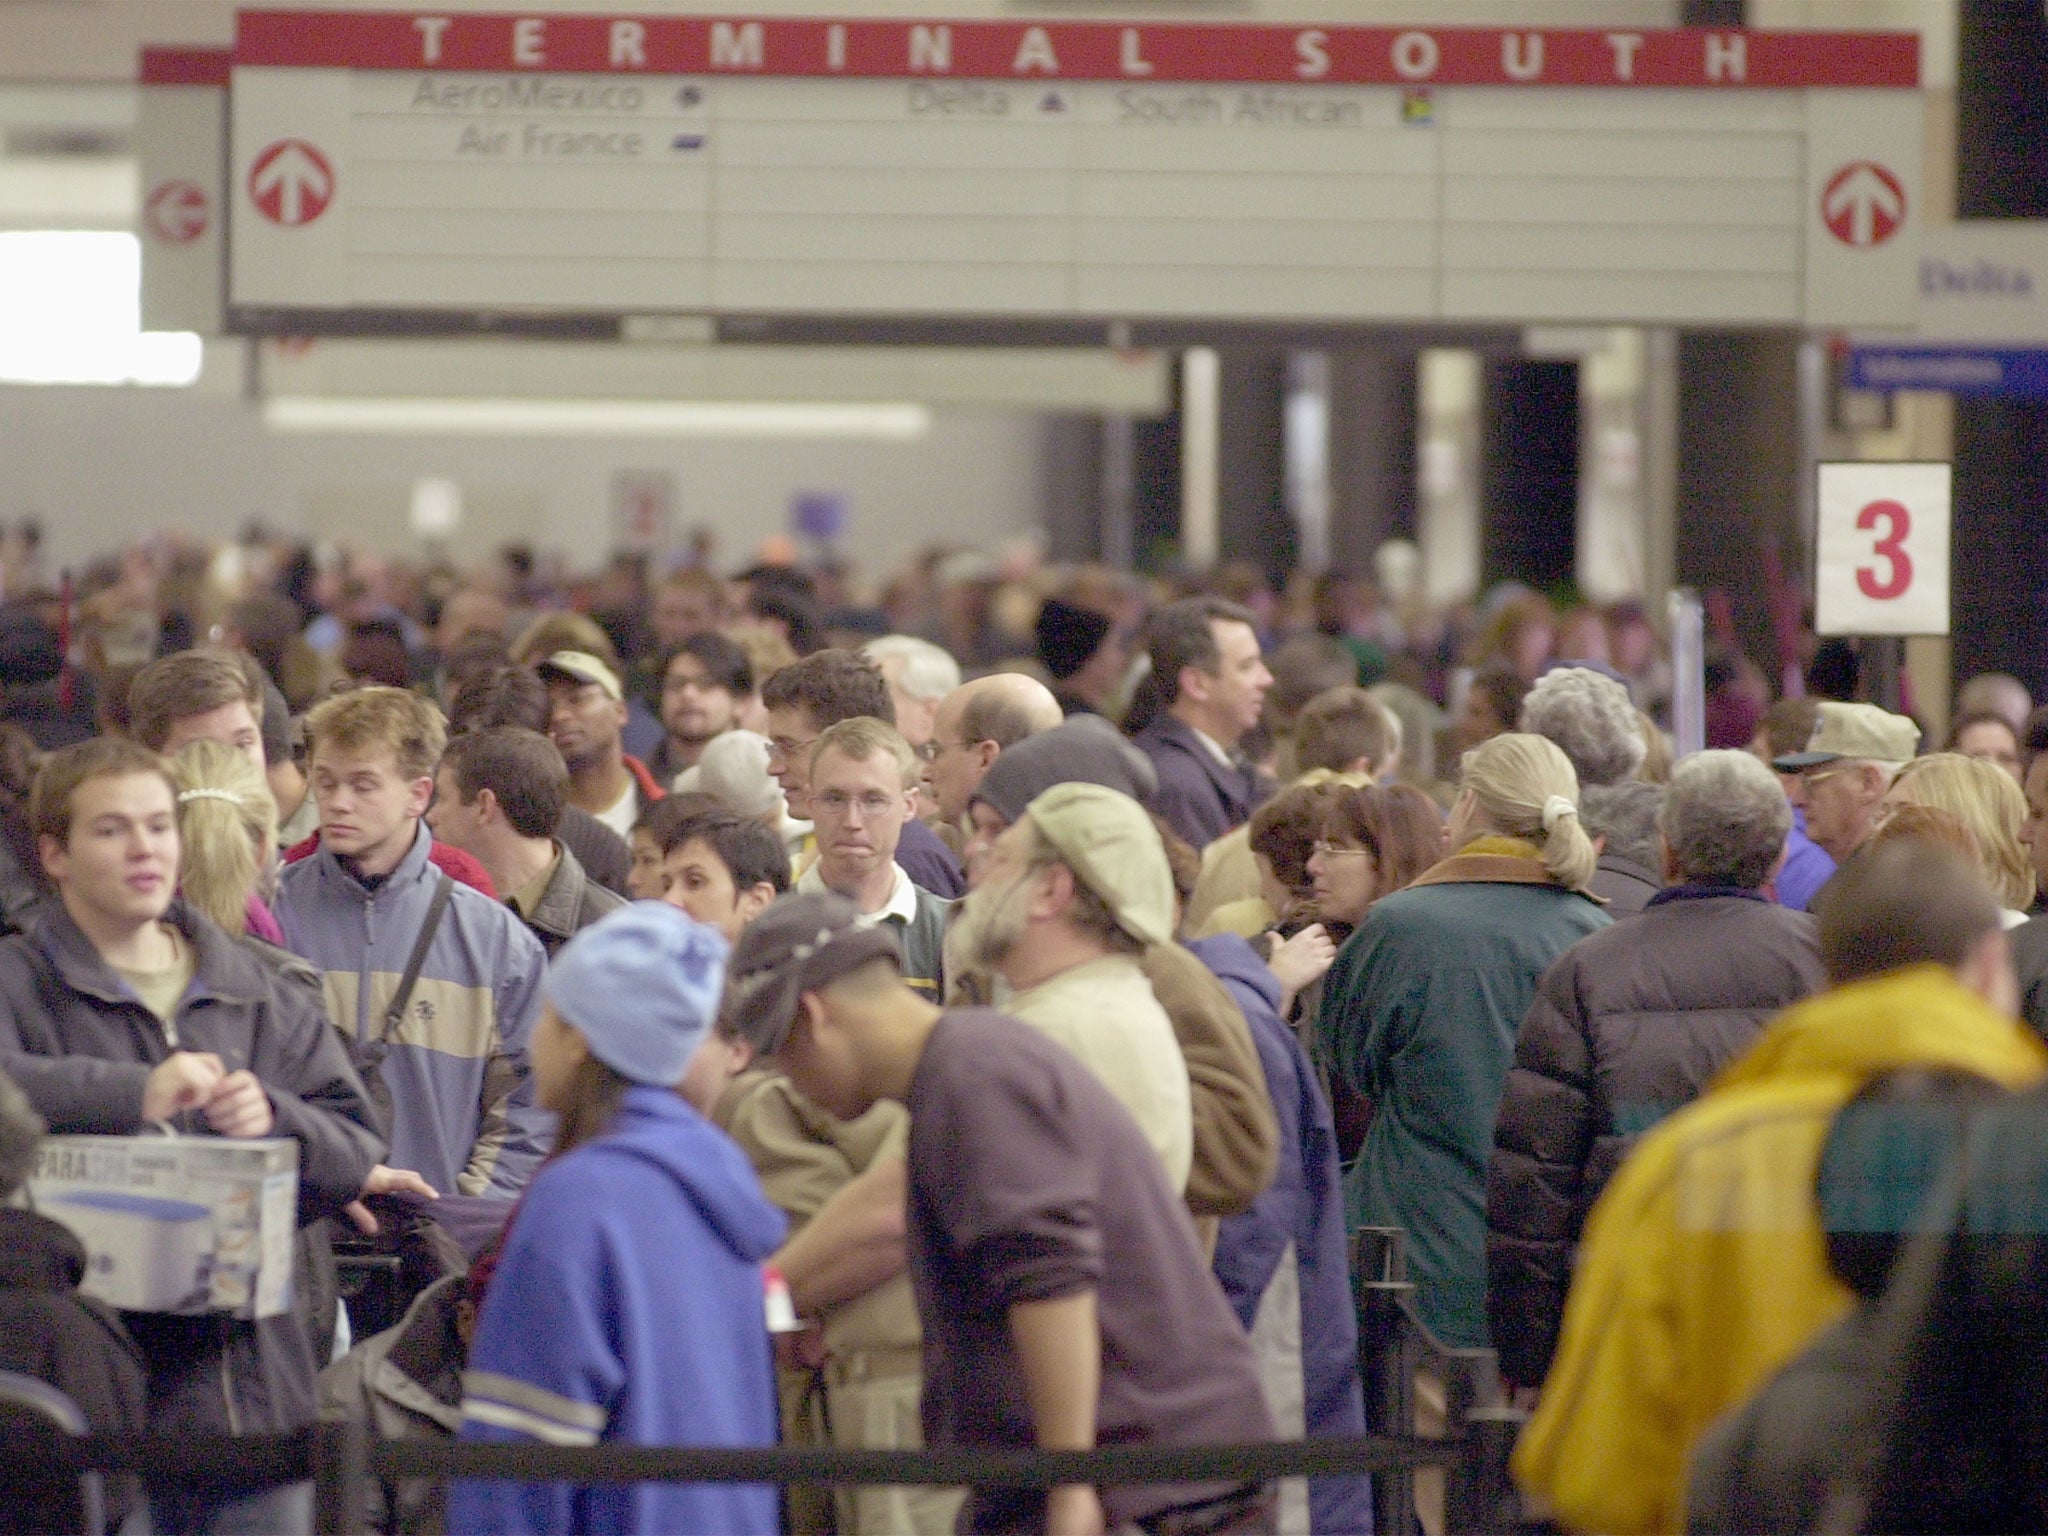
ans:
x=1387 y=1358
x=341 y=1470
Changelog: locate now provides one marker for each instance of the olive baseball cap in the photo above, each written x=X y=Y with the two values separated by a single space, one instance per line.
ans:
x=801 y=943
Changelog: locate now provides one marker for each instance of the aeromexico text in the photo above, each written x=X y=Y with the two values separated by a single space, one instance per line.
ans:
x=1161 y=52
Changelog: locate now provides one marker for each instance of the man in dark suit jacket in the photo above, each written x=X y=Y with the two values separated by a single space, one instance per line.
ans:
x=1213 y=681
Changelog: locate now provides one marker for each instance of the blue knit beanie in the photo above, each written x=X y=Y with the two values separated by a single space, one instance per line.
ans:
x=642 y=986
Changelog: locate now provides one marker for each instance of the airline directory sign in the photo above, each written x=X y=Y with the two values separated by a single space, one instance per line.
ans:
x=868 y=179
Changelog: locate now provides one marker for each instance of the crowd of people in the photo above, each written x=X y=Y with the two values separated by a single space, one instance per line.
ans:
x=750 y=1015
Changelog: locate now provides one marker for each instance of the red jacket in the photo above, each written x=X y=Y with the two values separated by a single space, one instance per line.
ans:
x=459 y=865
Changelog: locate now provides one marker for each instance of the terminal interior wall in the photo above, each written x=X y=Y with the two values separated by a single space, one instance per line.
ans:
x=100 y=466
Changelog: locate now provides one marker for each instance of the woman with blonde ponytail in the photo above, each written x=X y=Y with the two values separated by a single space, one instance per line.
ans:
x=1421 y=1007
x=227 y=826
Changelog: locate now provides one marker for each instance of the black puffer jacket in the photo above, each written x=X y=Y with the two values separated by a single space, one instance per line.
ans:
x=1627 y=1026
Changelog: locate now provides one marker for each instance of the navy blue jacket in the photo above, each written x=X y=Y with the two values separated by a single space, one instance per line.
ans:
x=628 y=1307
x=1304 y=1206
x=1199 y=797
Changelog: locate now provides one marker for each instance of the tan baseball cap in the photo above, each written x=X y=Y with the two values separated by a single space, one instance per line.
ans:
x=584 y=668
x=1858 y=731
x=1109 y=842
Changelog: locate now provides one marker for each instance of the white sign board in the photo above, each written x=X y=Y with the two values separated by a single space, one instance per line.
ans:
x=426 y=171
x=1883 y=561
x=181 y=141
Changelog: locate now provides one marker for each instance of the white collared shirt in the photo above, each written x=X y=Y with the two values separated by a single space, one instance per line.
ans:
x=901 y=905
x=1216 y=748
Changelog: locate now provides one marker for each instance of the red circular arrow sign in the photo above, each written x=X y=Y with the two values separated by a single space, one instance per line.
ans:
x=1863 y=204
x=175 y=212
x=291 y=183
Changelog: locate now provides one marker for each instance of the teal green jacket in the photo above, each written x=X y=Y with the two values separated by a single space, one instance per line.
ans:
x=1419 y=1014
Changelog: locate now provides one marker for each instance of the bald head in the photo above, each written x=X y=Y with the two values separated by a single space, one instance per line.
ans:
x=976 y=722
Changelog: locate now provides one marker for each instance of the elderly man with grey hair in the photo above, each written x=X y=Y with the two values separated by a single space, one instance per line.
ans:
x=920 y=676
x=1630 y=1024
x=1622 y=821
x=1590 y=718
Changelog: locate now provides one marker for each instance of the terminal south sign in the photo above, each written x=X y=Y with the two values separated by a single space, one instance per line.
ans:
x=992 y=50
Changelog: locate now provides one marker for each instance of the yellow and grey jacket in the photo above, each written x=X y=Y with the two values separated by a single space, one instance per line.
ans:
x=461 y=1097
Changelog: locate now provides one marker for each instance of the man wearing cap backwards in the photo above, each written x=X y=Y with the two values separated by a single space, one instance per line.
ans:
x=1235 y=1141
x=626 y=1306
x=863 y=779
x=1845 y=770
x=586 y=713
x=1067 y=899
x=1064 y=1301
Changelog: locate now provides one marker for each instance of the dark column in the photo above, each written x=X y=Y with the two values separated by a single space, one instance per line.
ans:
x=1251 y=476
x=1372 y=453
x=1738 y=467
x=1070 y=487
x=1155 y=486
x=2000 y=548
x=1528 y=472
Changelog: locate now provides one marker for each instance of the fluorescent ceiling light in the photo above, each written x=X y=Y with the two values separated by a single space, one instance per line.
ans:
x=71 y=313
x=890 y=422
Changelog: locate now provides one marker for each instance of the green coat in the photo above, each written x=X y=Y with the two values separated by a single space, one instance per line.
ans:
x=1419 y=1014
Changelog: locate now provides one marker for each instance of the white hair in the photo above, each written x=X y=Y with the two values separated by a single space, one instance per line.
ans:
x=928 y=671
x=1590 y=716
x=1725 y=817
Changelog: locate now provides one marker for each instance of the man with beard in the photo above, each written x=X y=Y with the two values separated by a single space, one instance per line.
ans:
x=1071 y=895
x=586 y=714
x=705 y=681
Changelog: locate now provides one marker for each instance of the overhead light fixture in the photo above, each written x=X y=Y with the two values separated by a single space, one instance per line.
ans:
x=885 y=422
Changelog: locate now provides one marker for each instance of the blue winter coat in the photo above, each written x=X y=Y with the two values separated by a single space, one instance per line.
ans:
x=1303 y=1206
x=628 y=1308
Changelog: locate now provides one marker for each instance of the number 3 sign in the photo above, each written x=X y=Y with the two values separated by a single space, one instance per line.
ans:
x=1883 y=557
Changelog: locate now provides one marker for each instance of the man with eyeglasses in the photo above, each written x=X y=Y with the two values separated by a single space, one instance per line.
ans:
x=1842 y=776
x=976 y=723
x=811 y=695
x=863 y=780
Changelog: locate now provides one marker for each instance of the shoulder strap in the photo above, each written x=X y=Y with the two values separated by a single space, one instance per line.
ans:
x=395 y=1014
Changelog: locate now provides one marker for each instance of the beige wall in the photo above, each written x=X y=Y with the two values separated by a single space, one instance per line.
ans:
x=104 y=465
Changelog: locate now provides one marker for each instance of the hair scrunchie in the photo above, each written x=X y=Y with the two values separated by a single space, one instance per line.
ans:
x=208 y=793
x=1555 y=809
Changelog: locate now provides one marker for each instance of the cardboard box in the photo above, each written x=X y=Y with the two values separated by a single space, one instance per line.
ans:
x=183 y=1224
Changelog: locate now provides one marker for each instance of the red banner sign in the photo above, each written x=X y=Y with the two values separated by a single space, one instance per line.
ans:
x=1076 y=50
x=185 y=66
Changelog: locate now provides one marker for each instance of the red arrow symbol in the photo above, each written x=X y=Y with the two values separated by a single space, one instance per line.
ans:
x=291 y=182
x=176 y=212
x=1863 y=203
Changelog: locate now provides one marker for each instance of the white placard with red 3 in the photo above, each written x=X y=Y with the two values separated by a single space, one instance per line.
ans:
x=1883 y=562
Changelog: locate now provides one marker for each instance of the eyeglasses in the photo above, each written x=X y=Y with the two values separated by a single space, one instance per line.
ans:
x=835 y=802
x=1330 y=850
x=932 y=750
x=789 y=751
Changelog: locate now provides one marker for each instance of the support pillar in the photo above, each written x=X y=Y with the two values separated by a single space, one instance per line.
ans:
x=1251 y=469
x=2000 y=545
x=1373 y=426
x=1529 y=472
